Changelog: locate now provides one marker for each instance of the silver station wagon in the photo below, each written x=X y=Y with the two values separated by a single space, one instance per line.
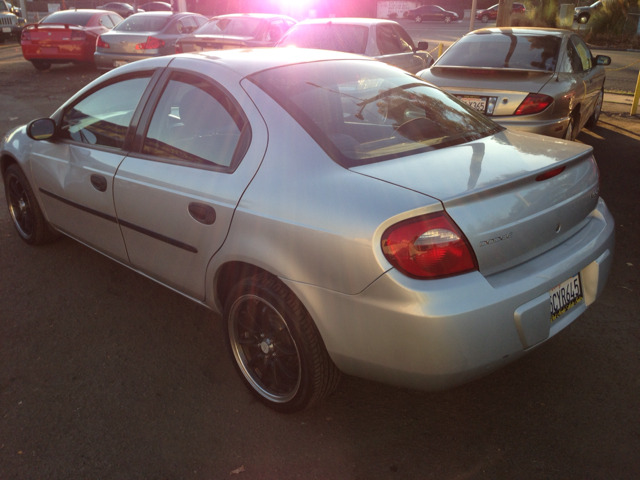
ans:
x=339 y=213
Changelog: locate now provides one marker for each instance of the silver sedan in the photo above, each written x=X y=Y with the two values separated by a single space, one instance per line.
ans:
x=341 y=214
x=538 y=80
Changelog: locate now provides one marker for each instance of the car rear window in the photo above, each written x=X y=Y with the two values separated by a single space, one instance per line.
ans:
x=144 y=23
x=364 y=111
x=504 y=50
x=328 y=36
x=69 y=18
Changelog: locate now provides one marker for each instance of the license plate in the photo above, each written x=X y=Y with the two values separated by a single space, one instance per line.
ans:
x=6 y=29
x=565 y=296
x=477 y=103
x=49 y=50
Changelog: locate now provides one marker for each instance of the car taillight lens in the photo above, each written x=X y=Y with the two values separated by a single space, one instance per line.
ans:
x=101 y=43
x=152 y=43
x=26 y=36
x=430 y=246
x=534 y=103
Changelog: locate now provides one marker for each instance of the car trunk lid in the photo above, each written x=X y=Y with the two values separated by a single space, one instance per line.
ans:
x=504 y=89
x=514 y=195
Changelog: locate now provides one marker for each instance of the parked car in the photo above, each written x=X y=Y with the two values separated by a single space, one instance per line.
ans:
x=341 y=214
x=432 y=13
x=540 y=80
x=383 y=40
x=66 y=36
x=156 y=7
x=491 y=13
x=123 y=9
x=6 y=6
x=237 y=31
x=10 y=25
x=583 y=14
x=143 y=35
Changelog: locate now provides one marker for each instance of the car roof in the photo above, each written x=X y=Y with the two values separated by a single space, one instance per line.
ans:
x=248 y=61
x=346 y=21
x=254 y=15
x=555 y=32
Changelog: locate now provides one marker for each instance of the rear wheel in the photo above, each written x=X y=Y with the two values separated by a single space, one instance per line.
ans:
x=41 y=64
x=572 y=129
x=584 y=18
x=447 y=19
x=276 y=345
x=25 y=212
x=595 y=116
x=485 y=18
x=418 y=19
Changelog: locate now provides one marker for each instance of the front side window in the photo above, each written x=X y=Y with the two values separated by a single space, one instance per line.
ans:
x=195 y=123
x=102 y=118
x=365 y=111
x=583 y=52
x=391 y=41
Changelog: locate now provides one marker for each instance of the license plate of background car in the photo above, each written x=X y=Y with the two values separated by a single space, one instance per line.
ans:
x=565 y=296
x=477 y=103
x=6 y=29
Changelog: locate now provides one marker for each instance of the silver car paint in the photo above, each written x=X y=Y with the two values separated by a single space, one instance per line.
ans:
x=318 y=227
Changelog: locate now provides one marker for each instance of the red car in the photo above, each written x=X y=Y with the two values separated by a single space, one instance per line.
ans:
x=491 y=13
x=66 y=36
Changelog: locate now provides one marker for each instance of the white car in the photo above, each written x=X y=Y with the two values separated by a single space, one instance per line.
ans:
x=341 y=214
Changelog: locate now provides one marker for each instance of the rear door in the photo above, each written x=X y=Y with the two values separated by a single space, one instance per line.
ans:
x=175 y=198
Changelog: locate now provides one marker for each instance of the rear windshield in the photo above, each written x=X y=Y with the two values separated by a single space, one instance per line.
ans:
x=235 y=26
x=69 y=18
x=328 y=36
x=143 y=23
x=506 y=50
x=363 y=111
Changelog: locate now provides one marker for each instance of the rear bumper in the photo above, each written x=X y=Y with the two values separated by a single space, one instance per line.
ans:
x=553 y=128
x=109 y=61
x=437 y=334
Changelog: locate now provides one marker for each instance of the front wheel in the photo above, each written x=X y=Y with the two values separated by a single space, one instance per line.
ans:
x=584 y=18
x=276 y=346
x=25 y=212
x=485 y=18
x=447 y=19
x=418 y=19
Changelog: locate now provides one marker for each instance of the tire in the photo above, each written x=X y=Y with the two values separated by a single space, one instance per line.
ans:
x=485 y=18
x=572 y=129
x=418 y=19
x=276 y=346
x=26 y=215
x=41 y=65
x=447 y=19
x=595 y=116
x=584 y=18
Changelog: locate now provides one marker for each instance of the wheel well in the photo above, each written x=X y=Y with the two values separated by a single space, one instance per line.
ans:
x=5 y=162
x=230 y=274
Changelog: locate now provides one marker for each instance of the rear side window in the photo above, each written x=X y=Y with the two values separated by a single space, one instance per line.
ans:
x=366 y=111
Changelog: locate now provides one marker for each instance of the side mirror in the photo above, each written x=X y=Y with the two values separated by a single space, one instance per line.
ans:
x=422 y=45
x=41 y=129
x=603 y=60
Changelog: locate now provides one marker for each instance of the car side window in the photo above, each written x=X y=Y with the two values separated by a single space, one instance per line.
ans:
x=102 y=118
x=196 y=123
x=390 y=42
x=584 y=54
x=573 y=63
x=106 y=21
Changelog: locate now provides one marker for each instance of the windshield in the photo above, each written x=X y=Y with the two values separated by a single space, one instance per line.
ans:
x=365 y=111
x=328 y=36
x=504 y=50
x=143 y=23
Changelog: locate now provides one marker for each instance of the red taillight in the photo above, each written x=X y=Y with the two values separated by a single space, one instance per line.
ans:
x=152 y=43
x=430 y=246
x=101 y=43
x=534 y=103
x=550 y=174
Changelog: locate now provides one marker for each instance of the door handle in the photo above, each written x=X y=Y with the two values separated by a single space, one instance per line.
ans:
x=202 y=213
x=99 y=182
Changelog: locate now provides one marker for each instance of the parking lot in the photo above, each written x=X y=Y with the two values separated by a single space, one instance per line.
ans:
x=105 y=374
